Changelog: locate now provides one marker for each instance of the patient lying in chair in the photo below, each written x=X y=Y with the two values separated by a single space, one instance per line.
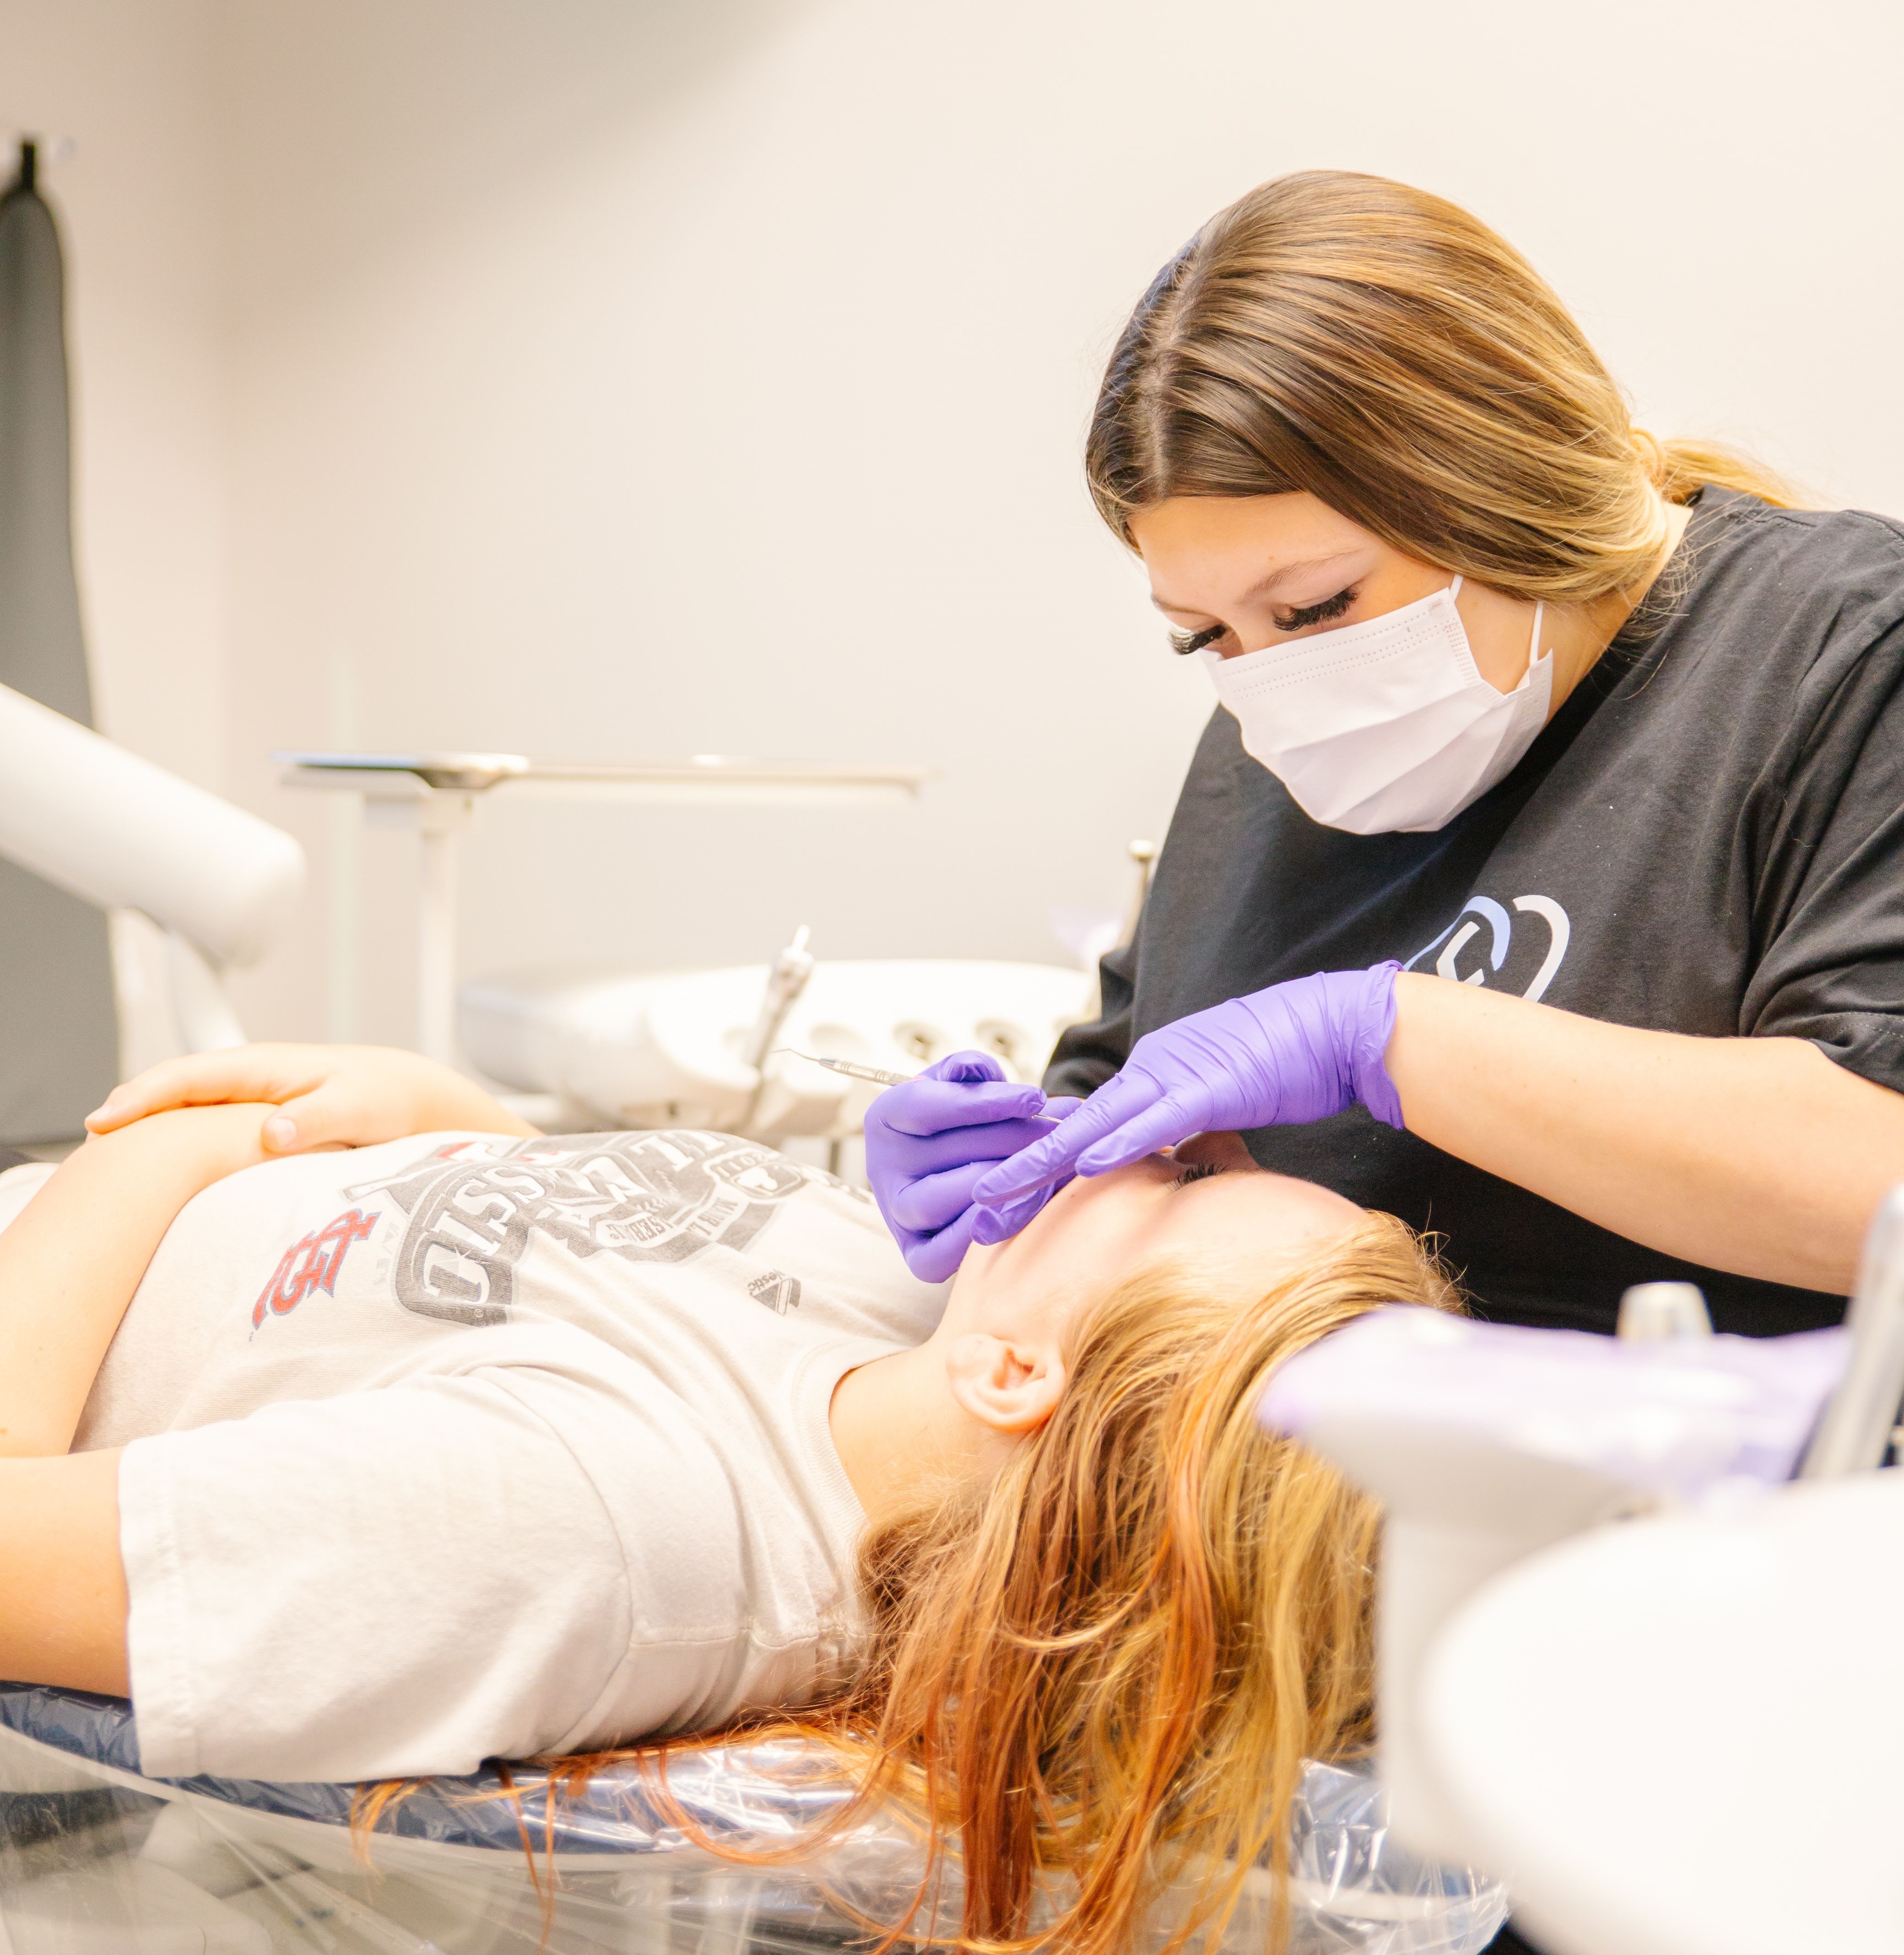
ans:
x=376 y=1463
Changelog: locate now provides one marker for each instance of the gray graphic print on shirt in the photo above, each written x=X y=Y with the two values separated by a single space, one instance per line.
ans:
x=647 y=1198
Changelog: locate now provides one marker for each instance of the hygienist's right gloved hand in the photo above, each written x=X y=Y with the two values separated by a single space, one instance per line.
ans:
x=1301 y=1050
x=929 y=1140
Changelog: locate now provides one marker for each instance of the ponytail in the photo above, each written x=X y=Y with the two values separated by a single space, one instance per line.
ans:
x=1678 y=469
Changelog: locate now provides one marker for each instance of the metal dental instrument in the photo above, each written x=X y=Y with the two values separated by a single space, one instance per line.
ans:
x=786 y=979
x=877 y=1075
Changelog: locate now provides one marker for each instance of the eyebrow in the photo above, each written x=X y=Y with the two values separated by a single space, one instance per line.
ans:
x=1266 y=586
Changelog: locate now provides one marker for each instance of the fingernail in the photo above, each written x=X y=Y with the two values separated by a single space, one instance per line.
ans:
x=281 y=1133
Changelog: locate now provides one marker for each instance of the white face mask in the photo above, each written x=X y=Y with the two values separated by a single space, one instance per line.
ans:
x=1385 y=725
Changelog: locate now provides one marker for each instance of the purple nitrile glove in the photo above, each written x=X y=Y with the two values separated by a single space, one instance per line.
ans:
x=1295 y=1053
x=929 y=1140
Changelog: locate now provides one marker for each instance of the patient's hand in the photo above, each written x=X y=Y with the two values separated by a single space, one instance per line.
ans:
x=326 y=1095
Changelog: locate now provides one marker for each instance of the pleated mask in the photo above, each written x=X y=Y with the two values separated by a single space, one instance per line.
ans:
x=1385 y=725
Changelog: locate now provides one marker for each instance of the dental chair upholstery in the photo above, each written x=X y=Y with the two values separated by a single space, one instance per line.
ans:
x=96 y=1859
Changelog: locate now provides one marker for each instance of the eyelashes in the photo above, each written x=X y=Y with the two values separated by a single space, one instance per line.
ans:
x=1198 y=1171
x=1184 y=643
x=1317 y=614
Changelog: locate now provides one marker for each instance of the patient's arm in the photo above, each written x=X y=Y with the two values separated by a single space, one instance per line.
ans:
x=62 y=1584
x=349 y=1096
x=70 y=1260
x=68 y=1266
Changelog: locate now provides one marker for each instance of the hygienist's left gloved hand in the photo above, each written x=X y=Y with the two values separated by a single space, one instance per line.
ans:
x=928 y=1139
x=1295 y=1053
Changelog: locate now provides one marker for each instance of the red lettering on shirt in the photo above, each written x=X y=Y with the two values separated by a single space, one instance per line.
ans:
x=312 y=1263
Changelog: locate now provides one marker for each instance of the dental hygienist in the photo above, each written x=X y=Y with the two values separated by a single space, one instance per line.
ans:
x=1573 y=761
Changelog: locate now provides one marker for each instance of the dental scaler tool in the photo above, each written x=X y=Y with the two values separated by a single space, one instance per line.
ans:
x=877 y=1075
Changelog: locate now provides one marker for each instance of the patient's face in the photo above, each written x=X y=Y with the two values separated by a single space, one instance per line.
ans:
x=1208 y=1206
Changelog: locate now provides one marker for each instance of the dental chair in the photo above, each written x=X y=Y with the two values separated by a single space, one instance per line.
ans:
x=96 y=1859
x=1638 y=1611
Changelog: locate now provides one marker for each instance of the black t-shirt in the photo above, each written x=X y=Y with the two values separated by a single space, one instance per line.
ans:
x=1708 y=837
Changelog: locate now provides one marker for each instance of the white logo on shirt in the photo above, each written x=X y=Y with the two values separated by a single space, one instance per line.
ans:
x=1480 y=913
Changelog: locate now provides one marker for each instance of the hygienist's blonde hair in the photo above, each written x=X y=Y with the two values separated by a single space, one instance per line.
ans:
x=1386 y=351
x=1108 y=1664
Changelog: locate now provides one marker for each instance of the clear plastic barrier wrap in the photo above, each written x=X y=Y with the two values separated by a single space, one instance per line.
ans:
x=96 y=1860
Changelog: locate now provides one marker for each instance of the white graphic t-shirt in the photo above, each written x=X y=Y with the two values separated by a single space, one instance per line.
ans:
x=463 y=1447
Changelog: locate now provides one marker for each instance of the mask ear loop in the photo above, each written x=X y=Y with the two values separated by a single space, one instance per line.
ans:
x=1533 y=639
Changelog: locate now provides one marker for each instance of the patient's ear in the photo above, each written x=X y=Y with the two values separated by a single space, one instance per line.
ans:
x=1013 y=1387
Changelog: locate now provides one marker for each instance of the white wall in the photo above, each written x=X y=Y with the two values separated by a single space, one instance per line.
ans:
x=581 y=414
x=622 y=378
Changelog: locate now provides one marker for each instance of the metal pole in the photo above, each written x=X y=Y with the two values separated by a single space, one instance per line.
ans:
x=438 y=819
x=1855 y=1430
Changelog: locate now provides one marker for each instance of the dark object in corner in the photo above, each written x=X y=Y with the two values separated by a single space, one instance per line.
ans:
x=59 y=1033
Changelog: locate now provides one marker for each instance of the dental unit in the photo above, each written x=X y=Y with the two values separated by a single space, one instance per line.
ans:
x=672 y=1048
x=647 y=1048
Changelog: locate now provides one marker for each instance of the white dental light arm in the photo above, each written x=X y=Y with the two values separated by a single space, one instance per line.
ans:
x=117 y=831
x=1459 y=1506
x=1486 y=1444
